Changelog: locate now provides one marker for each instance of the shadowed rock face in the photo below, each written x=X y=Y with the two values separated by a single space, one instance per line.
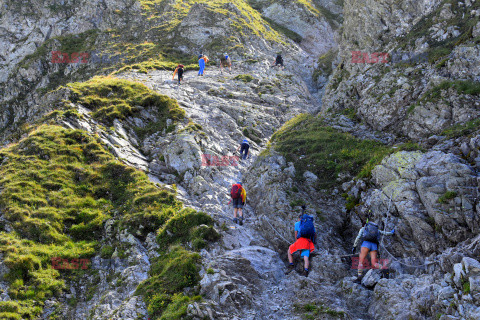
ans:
x=404 y=95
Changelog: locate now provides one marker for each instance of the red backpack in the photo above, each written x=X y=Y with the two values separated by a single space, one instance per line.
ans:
x=236 y=191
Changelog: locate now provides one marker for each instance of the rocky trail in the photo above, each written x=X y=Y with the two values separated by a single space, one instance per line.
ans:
x=249 y=273
x=248 y=281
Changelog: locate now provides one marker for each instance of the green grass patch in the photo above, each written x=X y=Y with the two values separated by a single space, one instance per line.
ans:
x=461 y=86
x=409 y=146
x=350 y=113
x=59 y=186
x=351 y=202
x=312 y=145
x=169 y=275
x=462 y=129
x=111 y=98
x=324 y=65
x=243 y=22
x=295 y=203
x=210 y=271
x=313 y=311
x=466 y=287
x=189 y=228
x=244 y=77
x=447 y=196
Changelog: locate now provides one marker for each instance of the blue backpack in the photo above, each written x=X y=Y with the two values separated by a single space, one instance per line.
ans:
x=307 y=229
x=371 y=233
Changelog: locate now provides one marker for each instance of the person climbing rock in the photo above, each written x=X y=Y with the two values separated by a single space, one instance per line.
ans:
x=278 y=61
x=201 y=64
x=370 y=234
x=305 y=235
x=179 y=71
x=239 y=197
x=243 y=147
x=225 y=62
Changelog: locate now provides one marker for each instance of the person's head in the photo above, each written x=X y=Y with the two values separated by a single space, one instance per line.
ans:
x=239 y=182
x=200 y=56
x=225 y=54
x=245 y=140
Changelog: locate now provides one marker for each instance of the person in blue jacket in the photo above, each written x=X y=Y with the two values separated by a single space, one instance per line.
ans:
x=244 y=146
x=201 y=64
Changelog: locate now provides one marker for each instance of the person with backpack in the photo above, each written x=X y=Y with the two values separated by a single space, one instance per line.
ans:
x=179 y=71
x=225 y=62
x=305 y=235
x=239 y=196
x=370 y=235
x=201 y=64
x=244 y=146
x=278 y=61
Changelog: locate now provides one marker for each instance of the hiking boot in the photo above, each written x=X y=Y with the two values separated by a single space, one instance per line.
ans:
x=305 y=272
x=240 y=222
x=235 y=220
x=290 y=268
x=359 y=279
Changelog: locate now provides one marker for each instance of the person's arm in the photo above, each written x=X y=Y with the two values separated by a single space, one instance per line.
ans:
x=387 y=233
x=359 y=236
x=296 y=233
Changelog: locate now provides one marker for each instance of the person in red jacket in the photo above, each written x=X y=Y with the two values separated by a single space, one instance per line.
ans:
x=239 y=197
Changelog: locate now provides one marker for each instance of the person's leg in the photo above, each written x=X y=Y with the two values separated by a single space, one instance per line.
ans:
x=235 y=210
x=240 y=212
x=307 y=262
x=246 y=151
x=363 y=254
x=374 y=259
x=291 y=266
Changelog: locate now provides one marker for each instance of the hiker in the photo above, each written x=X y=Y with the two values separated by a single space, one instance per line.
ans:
x=201 y=64
x=244 y=146
x=278 y=61
x=370 y=234
x=179 y=71
x=305 y=235
x=239 y=196
x=225 y=62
